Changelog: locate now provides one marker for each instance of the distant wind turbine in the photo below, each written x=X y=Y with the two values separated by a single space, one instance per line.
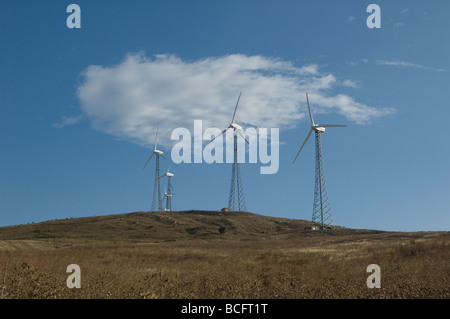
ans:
x=168 y=191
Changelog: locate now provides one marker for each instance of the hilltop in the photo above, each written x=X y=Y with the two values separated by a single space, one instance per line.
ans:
x=167 y=226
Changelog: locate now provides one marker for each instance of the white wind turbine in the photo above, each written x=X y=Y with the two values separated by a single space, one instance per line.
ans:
x=321 y=207
x=236 y=183
x=168 y=196
x=236 y=128
x=156 y=201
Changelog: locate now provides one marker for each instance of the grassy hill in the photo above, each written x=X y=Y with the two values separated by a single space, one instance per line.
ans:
x=211 y=254
x=164 y=226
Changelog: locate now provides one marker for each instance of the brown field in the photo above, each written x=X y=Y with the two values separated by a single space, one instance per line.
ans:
x=139 y=255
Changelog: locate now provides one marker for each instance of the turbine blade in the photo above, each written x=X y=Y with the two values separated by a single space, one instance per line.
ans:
x=148 y=160
x=307 y=137
x=309 y=109
x=163 y=156
x=156 y=137
x=168 y=168
x=332 y=125
x=219 y=134
x=242 y=135
x=162 y=176
x=234 y=114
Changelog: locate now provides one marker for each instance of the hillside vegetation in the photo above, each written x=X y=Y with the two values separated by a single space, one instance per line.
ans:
x=199 y=254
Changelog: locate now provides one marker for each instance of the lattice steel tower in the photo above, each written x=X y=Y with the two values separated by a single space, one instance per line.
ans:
x=236 y=197
x=321 y=207
x=168 y=191
x=168 y=196
x=157 y=200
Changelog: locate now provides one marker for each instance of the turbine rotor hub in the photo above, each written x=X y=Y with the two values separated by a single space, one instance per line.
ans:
x=235 y=126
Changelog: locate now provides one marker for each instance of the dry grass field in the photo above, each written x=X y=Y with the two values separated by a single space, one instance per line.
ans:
x=184 y=255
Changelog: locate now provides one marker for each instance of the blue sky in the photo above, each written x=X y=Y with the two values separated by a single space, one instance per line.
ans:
x=79 y=107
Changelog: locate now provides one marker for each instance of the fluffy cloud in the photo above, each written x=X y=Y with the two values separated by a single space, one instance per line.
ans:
x=131 y=99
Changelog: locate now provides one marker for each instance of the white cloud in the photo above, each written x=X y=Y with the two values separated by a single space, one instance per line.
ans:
x=348 y=107
x=130 y=99
x=404 y=11
x=67 y=120
x=350 y=83
x=408 y=65
x=351 y=18
x=355 y=63
x=398 y=24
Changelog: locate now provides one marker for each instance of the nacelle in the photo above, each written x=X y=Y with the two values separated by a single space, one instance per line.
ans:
x=319 y=129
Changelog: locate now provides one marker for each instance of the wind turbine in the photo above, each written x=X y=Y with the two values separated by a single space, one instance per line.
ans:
x=169 y=200
x=236 y=189
x=156 y=201
x=168 y=196
x=321 y=206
